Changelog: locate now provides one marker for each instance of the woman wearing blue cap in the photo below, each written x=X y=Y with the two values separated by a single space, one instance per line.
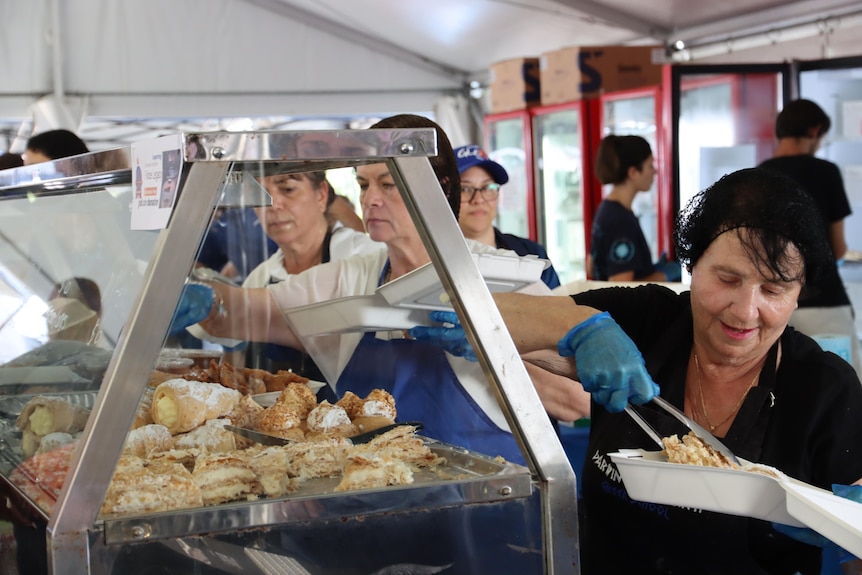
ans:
x=481 y=179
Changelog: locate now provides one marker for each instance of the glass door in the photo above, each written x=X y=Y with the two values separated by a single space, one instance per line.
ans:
x=724 y=120
x=561 y=138
x=508 y=144
x=636 y=113
x=836 y=86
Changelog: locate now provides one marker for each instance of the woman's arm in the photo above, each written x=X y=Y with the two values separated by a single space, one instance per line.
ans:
x=248 y=314
x=561 y=397
x=539 y=323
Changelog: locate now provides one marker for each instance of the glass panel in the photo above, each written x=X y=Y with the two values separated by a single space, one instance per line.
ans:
x=506 y=147
x=726 y=123
x=70 y=271
x=636 y=117
x=839 y=93
x=559 y=160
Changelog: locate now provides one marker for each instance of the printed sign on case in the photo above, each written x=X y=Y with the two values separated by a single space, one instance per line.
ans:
x=157 y=168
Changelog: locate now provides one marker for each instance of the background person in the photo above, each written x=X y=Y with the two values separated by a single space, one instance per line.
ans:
x=481 y=179
x=725 y=354
x=298 y=223
x=10 y=160
x=800 y=128
x=52 y=145
x=618 y=248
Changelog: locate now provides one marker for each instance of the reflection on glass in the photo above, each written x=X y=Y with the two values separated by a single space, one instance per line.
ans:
x=506 y=147
x=558 y=161
x=636 y=117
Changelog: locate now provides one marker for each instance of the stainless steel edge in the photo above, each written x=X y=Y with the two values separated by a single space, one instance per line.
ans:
x=500 y=359
x=315 y=507
x=102 y=168
x=128 y=372
x=296 y=147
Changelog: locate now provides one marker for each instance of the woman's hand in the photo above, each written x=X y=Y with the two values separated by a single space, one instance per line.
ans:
x=609 y=365
x=450 y=336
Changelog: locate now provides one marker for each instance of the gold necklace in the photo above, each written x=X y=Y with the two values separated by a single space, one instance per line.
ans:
x=703 y=403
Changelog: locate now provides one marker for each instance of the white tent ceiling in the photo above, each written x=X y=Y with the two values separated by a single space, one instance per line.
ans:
x=123 y=69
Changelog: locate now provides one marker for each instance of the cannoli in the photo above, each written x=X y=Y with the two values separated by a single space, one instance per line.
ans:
x=45 y=414
x=143 y=415
x=182 y=405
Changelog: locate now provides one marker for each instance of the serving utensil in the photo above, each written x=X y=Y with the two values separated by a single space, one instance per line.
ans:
x=268 y=439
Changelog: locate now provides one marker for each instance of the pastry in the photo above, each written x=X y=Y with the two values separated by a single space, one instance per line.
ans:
x=376 y=411
x=55 y=440
x=289 y=411
x=181 y=405
x=401 y=443
x=148 y=439
x=271 y=468
x=224 y=477
x=143 y=415
x=322 y=458
x=331 y=419
x=211 y=437
x=139 y=486
x=45 y=414
x=368 y=469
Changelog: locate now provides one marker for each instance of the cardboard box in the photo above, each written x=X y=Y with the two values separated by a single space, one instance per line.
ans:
x=577 y=72
x=514 y=84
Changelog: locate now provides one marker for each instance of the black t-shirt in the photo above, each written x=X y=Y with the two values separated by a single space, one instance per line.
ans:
x=617 y=244
x=822 y=180
x=802 y=419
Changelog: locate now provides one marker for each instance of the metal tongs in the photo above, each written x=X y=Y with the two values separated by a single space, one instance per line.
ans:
x=699 y=431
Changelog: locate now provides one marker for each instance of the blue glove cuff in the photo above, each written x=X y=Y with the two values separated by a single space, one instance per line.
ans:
x=567 y=346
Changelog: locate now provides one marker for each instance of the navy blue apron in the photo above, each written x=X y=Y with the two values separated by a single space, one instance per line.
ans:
x=426 y=389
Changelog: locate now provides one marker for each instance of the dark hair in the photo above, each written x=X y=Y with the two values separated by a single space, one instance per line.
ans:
x=57 y=144
x=444 y=164
x=10 y=160
x=84 y=290
x=616 y=154
x=772 y=208
x=798 y=117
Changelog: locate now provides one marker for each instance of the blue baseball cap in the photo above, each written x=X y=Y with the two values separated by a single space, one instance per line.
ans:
x=473 y=156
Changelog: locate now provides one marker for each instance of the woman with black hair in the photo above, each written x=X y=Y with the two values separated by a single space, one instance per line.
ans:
x=723 y=353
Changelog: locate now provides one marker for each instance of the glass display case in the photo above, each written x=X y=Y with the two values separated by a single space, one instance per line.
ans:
x=97 y=266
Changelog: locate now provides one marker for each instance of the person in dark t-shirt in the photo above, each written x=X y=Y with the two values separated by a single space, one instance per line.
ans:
x=825 y=307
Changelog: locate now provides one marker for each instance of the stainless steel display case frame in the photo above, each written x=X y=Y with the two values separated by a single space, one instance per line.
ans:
x=73 y=529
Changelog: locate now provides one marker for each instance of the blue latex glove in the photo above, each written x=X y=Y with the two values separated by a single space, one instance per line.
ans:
x=671 y=269
x=196 y=302
x=609 y=365
x=450 y=337
x=811 y=537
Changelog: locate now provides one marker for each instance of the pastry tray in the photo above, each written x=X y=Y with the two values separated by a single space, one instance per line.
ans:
x=403 y=303
x=353 y=314
x=648 y=476
x=421 y=288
